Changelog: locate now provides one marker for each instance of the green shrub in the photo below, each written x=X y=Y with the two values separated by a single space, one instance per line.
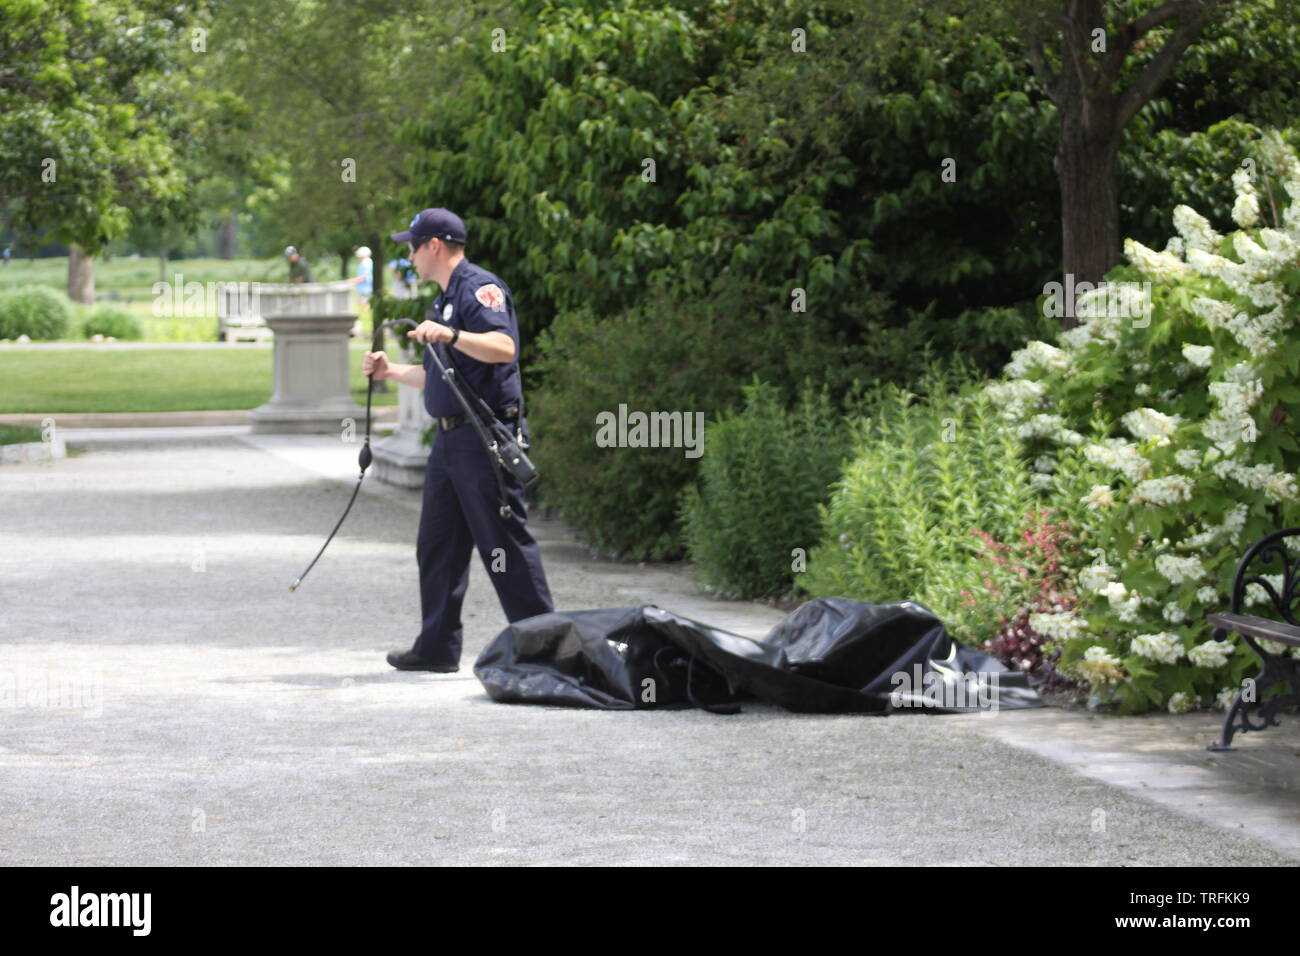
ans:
x=751 y=517
x=111 y=321
x=35 y=311
x=675 y=354
x=929 y=483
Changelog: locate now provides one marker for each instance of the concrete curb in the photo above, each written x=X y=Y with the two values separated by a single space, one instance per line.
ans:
x=383 y=413
x=33 y=451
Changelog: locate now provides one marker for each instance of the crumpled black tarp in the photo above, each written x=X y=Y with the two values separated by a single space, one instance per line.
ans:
x=830 y=655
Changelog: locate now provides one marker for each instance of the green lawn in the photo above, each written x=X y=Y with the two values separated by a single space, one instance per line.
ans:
x=17 y=435
x=134 y=278
x=43 y=381
x=129 y=283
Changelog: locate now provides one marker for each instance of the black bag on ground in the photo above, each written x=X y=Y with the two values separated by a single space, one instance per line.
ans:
x=831 y=655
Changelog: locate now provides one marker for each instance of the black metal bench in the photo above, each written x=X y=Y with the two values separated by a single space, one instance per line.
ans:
x=1254 y=708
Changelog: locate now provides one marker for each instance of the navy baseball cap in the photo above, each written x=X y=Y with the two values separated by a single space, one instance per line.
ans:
x=433 y=224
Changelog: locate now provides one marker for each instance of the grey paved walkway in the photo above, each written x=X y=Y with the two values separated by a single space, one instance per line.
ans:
x=168 y=700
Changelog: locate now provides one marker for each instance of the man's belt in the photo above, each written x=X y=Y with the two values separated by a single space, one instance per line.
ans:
x=507 y=414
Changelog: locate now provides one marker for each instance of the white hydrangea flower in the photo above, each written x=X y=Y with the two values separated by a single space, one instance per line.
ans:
x=1282 y=487
x=1165 y=647
x=1099 y=497
x=1207 y=595
x=1042 y=482
x=1225 y=697
x=1147 y=423
x=1120 y=455
x=1256 y=593
x=1114 y=591
x=1162 y=265
x=1282 y=246
x=1199 y=355
x=1041 y=426
x=1207 y=263
x=1061 y=626
x=1259 y=332
x=1105 y=328
x=1036 y=355
x=1099 y=667
x=1095 y=577
x=1048 y=426
x=1212 y=312
x=1242 y=373
x=1015 y=397
x=1195 y=229
x=1245 y=210
x=1277 y=486
x=1188 y=458
x=1232 y=422
x=1163 y=491
x=1212 y=654
x=1123 y=602
x=1176 y=570
x=1278 y=154
x=1180 y=703
x=1174 y=613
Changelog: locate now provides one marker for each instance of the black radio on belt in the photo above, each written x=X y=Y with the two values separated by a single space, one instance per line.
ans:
x=510 y=454
x=504 y=444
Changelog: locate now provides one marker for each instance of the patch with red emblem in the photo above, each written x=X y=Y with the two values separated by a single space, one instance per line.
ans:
x=492 y=297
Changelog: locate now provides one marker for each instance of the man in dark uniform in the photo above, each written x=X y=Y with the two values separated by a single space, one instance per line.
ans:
x=472 y=324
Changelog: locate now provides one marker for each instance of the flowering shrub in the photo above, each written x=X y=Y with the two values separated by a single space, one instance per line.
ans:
x=1181 y=395
x=1042 y=558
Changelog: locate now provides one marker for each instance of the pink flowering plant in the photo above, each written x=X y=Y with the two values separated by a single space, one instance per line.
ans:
x=1041 y=558
x=1164 y=427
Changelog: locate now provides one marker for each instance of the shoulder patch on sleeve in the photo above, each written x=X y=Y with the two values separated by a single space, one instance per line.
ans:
x=491 y=297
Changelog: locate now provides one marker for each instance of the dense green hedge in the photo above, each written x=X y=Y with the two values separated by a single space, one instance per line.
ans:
x=673 y=355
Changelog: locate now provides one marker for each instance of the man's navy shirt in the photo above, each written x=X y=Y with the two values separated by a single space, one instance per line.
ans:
x=474 y=301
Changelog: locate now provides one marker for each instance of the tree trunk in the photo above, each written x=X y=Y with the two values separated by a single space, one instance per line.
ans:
x=163 y=253
x=81 y=275
x=1088 y=174
x=226 y=237
x=345 y=256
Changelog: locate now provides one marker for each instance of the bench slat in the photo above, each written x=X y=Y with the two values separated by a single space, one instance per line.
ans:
x=1254 y=626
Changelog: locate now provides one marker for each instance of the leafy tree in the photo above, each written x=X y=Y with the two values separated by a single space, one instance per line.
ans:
x=85 y=129
x=329 y=87
x=1099 y=62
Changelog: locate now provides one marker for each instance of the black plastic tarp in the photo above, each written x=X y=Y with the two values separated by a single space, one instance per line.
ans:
x=830 y=655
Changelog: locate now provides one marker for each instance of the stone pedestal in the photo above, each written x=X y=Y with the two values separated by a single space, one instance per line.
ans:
x=311 y=376
x=400 y=458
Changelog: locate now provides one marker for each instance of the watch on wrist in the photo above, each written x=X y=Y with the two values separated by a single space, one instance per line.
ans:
x=455 y=334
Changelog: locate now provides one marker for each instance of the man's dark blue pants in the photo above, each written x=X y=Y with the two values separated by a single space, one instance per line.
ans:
x=460 y=512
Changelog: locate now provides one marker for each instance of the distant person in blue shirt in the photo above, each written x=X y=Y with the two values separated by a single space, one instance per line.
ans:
x=7 y=253
x=405 y=281
x=364 y=277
